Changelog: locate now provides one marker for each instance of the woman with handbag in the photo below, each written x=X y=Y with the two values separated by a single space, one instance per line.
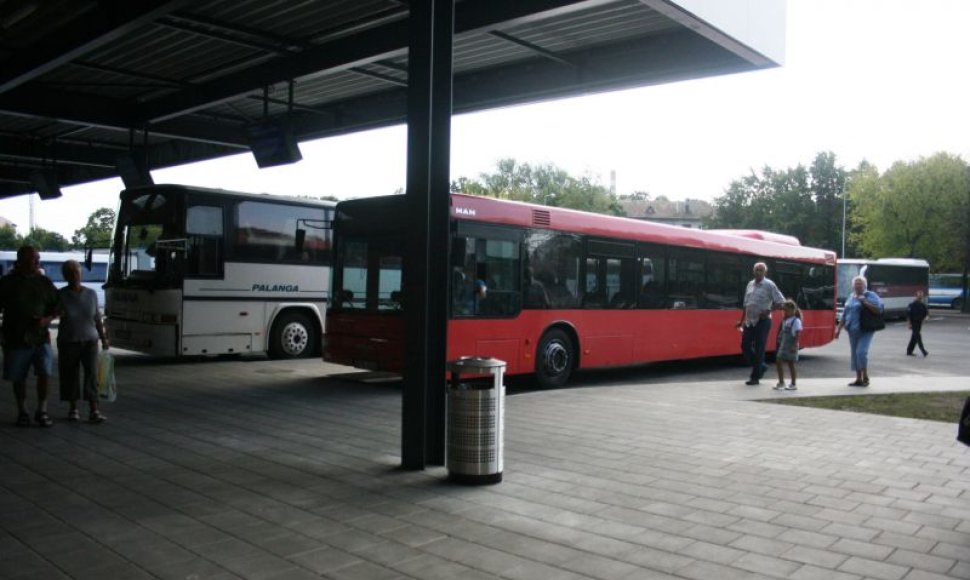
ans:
x=861 y=317
x=77 y=343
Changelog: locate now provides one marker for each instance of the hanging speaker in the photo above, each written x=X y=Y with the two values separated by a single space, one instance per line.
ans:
x=45 y=182
x=272 y=142
x=133 y=170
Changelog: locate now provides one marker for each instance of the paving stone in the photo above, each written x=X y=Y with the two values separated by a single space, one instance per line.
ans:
x=862 y=549
x=874 y=569
x=758 y=545
x=766 y=565
x=808 y=539
x=921 y=561
x=809 y=572
x=711 y=552
x=815 y=557
x=906 y=542
x=847 y=531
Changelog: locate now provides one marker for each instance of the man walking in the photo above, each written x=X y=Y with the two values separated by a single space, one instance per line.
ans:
x=760 y=297
x=28 y=301
x=916 y=314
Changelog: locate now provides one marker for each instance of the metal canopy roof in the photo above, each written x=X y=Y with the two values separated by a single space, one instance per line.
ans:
x=84 y=83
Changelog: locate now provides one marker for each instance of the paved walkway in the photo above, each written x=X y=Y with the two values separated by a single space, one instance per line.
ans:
x=268 y=470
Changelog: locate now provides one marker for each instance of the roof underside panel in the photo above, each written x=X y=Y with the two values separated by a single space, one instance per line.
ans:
x=176 y=81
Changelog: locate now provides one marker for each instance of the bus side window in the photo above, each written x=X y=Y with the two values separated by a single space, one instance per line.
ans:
x=204 y=232
x=554 y=260
x=653 y=278
x=685 y=282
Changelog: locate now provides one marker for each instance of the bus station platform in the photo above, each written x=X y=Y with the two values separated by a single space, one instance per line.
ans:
x=261 y=469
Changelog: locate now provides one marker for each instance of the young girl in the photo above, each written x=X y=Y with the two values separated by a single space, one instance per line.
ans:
x=791 y=327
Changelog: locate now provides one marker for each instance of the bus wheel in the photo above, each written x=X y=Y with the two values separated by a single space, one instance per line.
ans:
x=555 y=358
x=958 y=304
x=293 y=336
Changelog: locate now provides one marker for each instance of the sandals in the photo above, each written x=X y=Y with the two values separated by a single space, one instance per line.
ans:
x=43 y=419
x=96 y=417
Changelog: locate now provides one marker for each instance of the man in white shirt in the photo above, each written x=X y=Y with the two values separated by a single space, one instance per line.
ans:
x=760 y=298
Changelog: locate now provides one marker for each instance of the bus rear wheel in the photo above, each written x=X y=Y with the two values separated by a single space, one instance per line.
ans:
x=293 y=336
x=957 y=304
x=555 y=358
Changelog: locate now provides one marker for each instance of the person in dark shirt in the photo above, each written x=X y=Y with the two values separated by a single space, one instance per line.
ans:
x=916 y=313
x=28 y=300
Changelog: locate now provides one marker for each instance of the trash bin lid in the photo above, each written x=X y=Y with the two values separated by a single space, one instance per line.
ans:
x=475 y=364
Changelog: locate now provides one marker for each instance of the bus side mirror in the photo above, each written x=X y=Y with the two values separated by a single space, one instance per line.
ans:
x=300 y=240
x=88 y=259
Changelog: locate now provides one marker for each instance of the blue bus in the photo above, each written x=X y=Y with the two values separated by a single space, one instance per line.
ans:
x=946 y=290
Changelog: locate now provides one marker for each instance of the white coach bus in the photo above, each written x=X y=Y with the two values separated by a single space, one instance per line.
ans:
x=200 y=271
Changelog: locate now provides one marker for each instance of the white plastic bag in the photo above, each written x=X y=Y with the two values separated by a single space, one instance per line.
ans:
x=107 y=389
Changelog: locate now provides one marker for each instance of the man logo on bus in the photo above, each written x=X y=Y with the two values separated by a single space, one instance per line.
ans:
x=464 y=211
x=276 y=288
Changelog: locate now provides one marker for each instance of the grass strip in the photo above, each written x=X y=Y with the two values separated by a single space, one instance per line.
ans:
x=936 y=406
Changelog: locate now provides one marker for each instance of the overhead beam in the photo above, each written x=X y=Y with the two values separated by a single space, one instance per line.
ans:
x=104 y=23
x=530 y=46
x=39 y=150
x=101 y=112
x=234 y=33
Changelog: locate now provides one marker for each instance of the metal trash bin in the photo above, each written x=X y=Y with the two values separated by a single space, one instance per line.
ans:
x=475 y=421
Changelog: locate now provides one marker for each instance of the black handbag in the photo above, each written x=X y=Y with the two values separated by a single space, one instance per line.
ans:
x=963 y=430
x=870 y=321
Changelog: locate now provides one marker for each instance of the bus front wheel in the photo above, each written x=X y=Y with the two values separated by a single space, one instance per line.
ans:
x=555 y=358
x=293 y=336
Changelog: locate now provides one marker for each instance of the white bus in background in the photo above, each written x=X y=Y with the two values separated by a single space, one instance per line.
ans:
x=895 y=280
x=93 y=274
x=199 y=271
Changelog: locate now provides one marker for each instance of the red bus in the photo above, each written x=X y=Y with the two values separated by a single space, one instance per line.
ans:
x=551 y=290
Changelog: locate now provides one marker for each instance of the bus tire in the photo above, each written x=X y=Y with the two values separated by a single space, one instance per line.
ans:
x=293 y=336
x=555 y=358
x=957 y=304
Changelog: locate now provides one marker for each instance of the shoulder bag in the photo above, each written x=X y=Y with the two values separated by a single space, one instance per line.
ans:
x=869 y=320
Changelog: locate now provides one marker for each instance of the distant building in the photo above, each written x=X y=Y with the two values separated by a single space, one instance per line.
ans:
x=689 y=213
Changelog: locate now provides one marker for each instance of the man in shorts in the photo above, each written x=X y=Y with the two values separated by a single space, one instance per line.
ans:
x=28 y=301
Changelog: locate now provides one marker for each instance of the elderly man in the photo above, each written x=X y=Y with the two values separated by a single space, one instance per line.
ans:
x=28 y=300
x=760 y=298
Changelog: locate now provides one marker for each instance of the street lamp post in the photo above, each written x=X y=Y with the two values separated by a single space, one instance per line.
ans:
x=842 y=255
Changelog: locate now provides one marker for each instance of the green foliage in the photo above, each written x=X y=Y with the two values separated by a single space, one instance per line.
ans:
x=97 y=232
x=9 y=238
x=798 y=201
x=917 y=210
x=45 y=240
x=544 y=184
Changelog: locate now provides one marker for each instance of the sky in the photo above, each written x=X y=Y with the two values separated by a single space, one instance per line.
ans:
x=875 y=80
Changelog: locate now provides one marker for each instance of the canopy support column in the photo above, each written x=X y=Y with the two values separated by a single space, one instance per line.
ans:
x=426 y=272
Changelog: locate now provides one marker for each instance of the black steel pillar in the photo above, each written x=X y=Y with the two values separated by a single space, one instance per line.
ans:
x=431 y=26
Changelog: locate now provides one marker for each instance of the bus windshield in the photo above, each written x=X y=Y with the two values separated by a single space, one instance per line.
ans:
x=149 y=243
x=846 y=273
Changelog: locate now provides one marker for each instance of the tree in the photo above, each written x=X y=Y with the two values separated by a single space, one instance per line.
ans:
x=97 y=232
x=45 y=240
x=914 y=210
x=9 y=238
x=544 y=184
x=798 y=201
